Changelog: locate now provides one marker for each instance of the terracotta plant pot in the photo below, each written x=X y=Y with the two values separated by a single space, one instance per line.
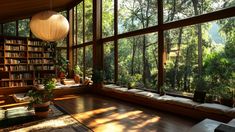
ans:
x=76 y=78
x=61 y=75
x=42 y=110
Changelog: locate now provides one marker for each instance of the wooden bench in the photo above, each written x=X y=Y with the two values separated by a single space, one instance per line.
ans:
x=177 y=105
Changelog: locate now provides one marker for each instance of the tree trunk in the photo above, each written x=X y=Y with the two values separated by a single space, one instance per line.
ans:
x=133 y=51
x=186 y=69
x=176 y=67
x=144 y=60
x=199 y=33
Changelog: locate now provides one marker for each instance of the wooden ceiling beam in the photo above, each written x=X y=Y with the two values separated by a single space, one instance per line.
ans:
x=11 y=10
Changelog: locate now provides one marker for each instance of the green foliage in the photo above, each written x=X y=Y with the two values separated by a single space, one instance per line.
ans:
x=61 y=62
x=77 y=70
x=219 y=73
x=134 y=80
x=41 y=96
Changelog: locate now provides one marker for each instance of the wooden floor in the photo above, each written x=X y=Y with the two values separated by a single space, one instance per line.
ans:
x=103 y=114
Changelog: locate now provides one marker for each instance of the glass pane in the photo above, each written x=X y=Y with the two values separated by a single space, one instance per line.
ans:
x=88 y=21
x=107 y=18
x=178 y=9
x=88 y=61
x=182 y=59
x=109 y=62
x=218 y=57
x=9 y=29
x=78 y=58
x=79 y=23
x=201 y=57
x=136 y=14
x=23 y=28
x=137 y=61
x=214 y=5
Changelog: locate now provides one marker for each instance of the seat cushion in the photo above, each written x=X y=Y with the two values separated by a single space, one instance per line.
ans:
x=147 y=94
x=213 y=108
x=183 y=102
x=163 y=98
x=134 y=90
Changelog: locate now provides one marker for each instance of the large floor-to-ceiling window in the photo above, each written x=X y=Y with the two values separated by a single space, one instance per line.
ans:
x=181 y=45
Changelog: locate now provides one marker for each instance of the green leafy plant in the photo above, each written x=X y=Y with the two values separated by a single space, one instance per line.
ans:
x=41 y=96
x=61 y=63
x=134 y=80
x=77 y=70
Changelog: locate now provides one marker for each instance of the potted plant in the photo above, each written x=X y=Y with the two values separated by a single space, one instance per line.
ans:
x=61 y=65
x=97 y=78
x=77 y=71
x=40 y=99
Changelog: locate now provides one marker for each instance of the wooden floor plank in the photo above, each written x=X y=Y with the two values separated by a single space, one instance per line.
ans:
x=104 y=114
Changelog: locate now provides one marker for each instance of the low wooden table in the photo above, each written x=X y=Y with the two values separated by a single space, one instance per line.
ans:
x=208 y=125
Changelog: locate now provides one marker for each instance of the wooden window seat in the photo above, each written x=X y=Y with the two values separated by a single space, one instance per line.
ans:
x=178 y=105
x=19 y=99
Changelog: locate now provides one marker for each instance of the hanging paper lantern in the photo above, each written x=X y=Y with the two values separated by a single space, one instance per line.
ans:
x=49 y=26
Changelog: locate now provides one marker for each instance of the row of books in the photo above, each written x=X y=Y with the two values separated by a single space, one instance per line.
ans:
x=15 y=61
x=42 y=61
x=16 y=68
x=21 y=76
x=35 y=43
x=17 y=84
x=4 y=84
x=41 y=49
x=21 y=54
x=45 y=55
x=8 y=41
x=15 y=48
x=41 y=68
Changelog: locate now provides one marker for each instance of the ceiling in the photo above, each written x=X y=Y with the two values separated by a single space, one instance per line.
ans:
x=19 y=9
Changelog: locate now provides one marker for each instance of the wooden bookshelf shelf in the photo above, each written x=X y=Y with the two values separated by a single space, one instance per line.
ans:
x=16 y=64
x=15 y=57
x=10 y=80
x=36 y=51
x=15 y=44
x=16 y=50
x=23 y=62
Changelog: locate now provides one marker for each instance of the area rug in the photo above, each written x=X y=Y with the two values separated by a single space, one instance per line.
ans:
x=56 y=122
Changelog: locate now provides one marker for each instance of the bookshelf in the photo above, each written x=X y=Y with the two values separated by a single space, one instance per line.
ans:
x=24 y=62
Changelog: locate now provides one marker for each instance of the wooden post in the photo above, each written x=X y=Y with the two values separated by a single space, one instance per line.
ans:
x=70 y=15
x=97 y=36
x=115 y=41
x=160 y=46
